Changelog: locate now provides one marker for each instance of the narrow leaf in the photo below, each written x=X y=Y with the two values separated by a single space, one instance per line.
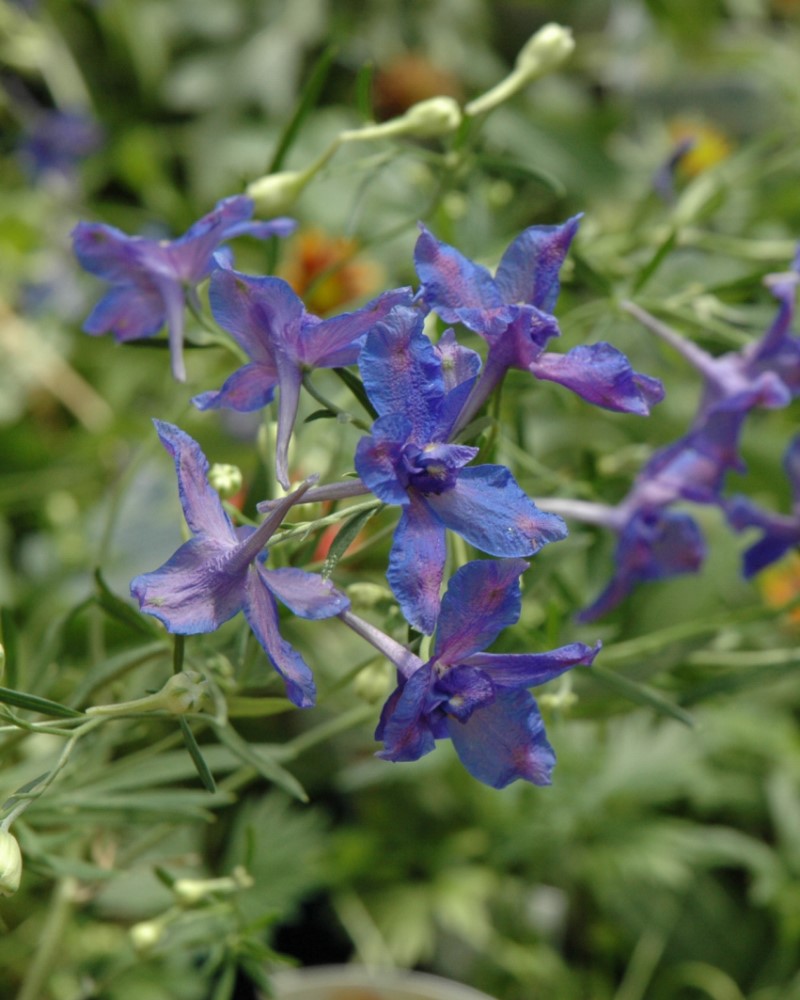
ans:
x=639 y=693
x=33 y=703
x=8 y=636
x=266 y=766
x=364 y=92
x=324 y=414
x=655 y=261
x=345 y=537
x=308 y=98
x=115 y=607
x=203 y=770
x=356 y=386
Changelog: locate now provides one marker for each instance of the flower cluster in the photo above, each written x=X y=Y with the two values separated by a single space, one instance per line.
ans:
x=416 y=456
x=656 y=541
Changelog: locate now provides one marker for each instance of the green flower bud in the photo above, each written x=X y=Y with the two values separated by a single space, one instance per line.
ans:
x=372 y=683
x=276 y=193
x=436 y=116
x=10 y=864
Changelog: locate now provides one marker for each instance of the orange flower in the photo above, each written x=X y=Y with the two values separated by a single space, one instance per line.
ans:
x=780 y=584
x=322 y=271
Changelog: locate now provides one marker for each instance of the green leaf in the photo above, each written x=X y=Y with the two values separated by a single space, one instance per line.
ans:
x=33 y=703
x=308 y=99
x=522 y=172
x=323 y=414
x=115 y=607
x=203 y=770
x=345 y=537
x=364 y=92
x=356 y=386
x=266 y=766
x=655 y=261
x=8 y=636
x=639 y=693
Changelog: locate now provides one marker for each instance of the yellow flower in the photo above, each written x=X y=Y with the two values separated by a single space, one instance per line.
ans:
x=710 y=145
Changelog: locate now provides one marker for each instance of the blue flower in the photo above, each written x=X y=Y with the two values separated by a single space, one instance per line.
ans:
x=57 y=141
x=781 y=532
x=149 y=278
x=269 y=321
x=409 y=461
x=512 y=312
x=478 y=700
x=220 y=571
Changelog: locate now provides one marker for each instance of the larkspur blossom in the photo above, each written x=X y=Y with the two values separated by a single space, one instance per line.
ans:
x=220 y=571
x=408 y=460
x=476 y=699
x=269 y=321
x=512 y=311
x=780 y=532
x=151 y=278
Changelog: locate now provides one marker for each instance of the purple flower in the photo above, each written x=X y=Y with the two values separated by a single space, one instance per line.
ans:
x=478 y=700
x=269 y=321
x=149 y=278
x=512 y=312
x=781 y=532
x=220 y=571
x=57 y=141
x=409 y=461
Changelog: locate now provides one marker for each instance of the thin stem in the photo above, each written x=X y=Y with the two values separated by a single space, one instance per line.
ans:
x=345 y=415
x=405 y=661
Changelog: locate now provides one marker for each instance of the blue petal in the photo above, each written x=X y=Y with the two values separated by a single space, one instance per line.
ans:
x=451 y=282
x=404 y=729
x=602 y=375
x=188 y=594
x=322 y=344
x=524 y=670
x=262 y=616
x=305 y=594
x=130 y=312
x=482 y=599
x=489 y=510
x=504 y=741
x=106 y=252
x=416 y=564
x=379 y=457
x=191 y=253
x=466 y=689
x=530 y=266
x=263 y=315
x=402 y=373
x=201 y=504
x=249 y=388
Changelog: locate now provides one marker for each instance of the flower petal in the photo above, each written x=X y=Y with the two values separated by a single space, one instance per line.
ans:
x=262 y=616
x=450 y=281
x=130 y=312
x=305 y=594
x=379 y=456
x=404 y=728
x=322 y=345
x=416 y=564
x=504 y=741
x=186 y=593
x=251 y=387
x=489 y=510
x=482 y=599
x=263 y=315
x=201 y=504
x=528 y=271
x=524 y=670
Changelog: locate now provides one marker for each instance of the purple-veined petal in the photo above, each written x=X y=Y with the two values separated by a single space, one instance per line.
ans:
x=528 y=271
x=305 y=594
x=504 y=741
x=379 y=457
x=403 y=728
x=459 y=364
x=402 y=374
x=188 y=594
x=466 y=689
x=263 y=315
x=487 y=508
x=251 y=387
x=106 y=252
x=524 y=670
x=482 y=599
x=201 y=504
x=416 y=564
x=322 y=345
x=602 y=375
x=262 y=616
x=130 y=312
x=191 y=253
x=451 y=282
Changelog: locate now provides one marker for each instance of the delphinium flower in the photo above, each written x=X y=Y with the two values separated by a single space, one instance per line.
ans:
x=408 y=460
x=478 y=700
x=654 y=541
x=220 y=571
x=151 y=278
x=269 y=321
x=512 y=311
x=780 y=532
x=765 y=373
x=55 y=142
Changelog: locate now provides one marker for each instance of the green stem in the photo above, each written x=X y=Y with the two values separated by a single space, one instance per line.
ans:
x=58 y=913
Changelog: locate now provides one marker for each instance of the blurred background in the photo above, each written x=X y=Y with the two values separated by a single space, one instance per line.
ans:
x=664 y=862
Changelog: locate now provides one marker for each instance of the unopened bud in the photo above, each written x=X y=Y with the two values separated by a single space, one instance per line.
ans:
x=436 y=116
x=191 y=891
x=146 y=935
x=184 y=692
x=545 y=50
x=10 y=864
x=225 y=479
x=372 y=683
x=275 y=193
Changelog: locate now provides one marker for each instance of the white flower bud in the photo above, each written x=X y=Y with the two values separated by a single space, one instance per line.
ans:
x=146 y=935
x=225 y=479
x=275 y=193
x=545 y=50
x=10 y=864
x=433 y=117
